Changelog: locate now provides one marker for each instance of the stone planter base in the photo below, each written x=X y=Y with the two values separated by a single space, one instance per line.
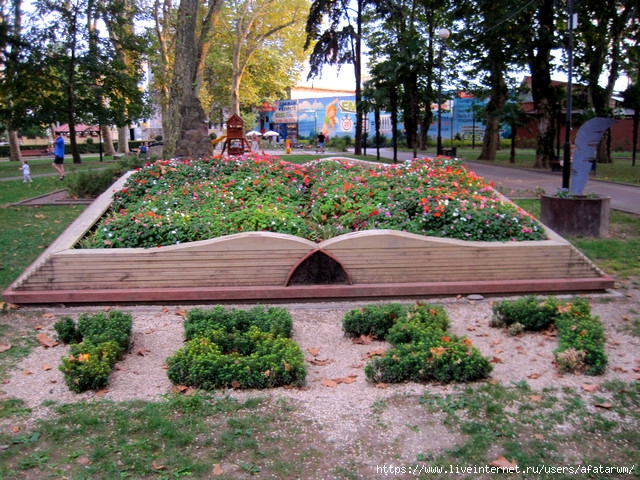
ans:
x=576 y=216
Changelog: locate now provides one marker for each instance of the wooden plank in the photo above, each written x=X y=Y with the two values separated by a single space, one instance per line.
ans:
x=325 y=292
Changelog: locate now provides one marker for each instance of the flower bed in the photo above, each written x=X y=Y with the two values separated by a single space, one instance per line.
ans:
x=172 y=202
x=342 y=214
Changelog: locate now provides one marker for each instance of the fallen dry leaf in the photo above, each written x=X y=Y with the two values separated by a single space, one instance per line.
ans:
x=590 y=387
x=328 y=383
x=605 y=405
x=538 y=436
x=84 y=460
x=102 y=393
x=142 y=351
x=8 y=306
x=495 y=342
x=48 y=315
x=504 y=464
x=533 y=376
x=535 y=398
x=38 y=327
x=165 y=310
x=381 y=385
x=181 y=312
x=498 y=351
x=26 y=372
x=235 y=384
x=4 y=347
x=619 y=369
x=313 y=351
x=45 y=367
x=373 y=353
x=356 y=365
x=316 y=361
x=15 y=429
x=46 y=341
x=157 y=467
x=217 y=470
x=362 y=340
x=496 y=360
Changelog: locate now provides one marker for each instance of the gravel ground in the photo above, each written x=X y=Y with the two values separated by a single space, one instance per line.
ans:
x=341 y=411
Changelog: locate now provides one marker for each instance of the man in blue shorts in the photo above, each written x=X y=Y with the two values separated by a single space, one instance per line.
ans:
x=58 y=155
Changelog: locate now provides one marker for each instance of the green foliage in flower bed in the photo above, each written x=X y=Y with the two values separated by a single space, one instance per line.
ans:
x=581 y=336
x=97 y=342
x=422 y=348
x=238 y=348
x=171 y=202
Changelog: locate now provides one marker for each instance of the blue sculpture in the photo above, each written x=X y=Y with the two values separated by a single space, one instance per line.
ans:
x=587 y=140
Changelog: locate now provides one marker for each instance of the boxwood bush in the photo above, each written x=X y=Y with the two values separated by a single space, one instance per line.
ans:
x=238 y=348
x=527 y=311
x=582 y=332
x=97 y=342
x=581 y=337
x=422 y=348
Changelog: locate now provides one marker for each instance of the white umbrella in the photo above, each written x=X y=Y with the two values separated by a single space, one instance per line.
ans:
x=252 y=132
x=270 y=133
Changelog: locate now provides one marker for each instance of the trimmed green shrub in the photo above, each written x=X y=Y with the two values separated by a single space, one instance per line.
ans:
x=202 y=323
x=374 y=320
x=528 y=311
x=102 y=339
x=102 y=327
x=89 y=366
x=582 y=332
x=238 y=348
x=91 y=183
x=581 y=336
x=421 y=321
x=422 y=348
x=66 y=330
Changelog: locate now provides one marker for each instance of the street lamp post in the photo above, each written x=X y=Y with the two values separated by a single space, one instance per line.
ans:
x=443 y=34
x=566 y=165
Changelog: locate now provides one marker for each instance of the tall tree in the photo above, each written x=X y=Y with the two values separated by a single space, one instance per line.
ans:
x=253 y=27
x=339 y=44
x=600 y=36
x=186 y=131
x=538 y=24
x=10 y=48
x=129 y=48
x=490 y=44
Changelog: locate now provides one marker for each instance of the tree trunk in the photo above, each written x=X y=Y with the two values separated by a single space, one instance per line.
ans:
x=541 y=87
x=393 y=103
x=14 y=147
x=427 y=120
x=187 y=131
x=636 y=121
x=358 y=78
x=123 y=140
x=107 y=140
x=495 y=106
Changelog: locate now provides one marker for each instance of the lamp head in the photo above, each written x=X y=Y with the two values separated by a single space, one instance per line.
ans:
x=443 y=33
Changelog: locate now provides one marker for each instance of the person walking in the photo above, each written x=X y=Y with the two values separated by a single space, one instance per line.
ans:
x=58 y=155
x=320 y=143
x=26 y=171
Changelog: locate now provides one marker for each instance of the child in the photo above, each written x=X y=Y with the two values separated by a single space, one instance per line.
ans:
x=26 y=171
